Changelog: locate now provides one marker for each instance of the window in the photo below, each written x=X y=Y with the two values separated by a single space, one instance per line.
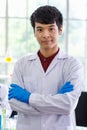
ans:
x=17 y=36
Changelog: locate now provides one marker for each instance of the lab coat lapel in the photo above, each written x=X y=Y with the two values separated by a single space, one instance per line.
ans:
x=38 y=64
x=60 y=56
x=52 y=65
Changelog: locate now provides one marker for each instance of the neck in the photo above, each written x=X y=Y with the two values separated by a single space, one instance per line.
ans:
x=48 y=52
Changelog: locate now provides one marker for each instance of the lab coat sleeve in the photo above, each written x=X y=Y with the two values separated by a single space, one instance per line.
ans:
x=15 y=104
x=23 y=108
x=62 y=103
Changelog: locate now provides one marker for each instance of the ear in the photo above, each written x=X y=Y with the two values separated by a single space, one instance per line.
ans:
x=60 y=30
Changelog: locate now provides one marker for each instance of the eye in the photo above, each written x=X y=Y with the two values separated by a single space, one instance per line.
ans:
x=39 y=29
x=52 y=29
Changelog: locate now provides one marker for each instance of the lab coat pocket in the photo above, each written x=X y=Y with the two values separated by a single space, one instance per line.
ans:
x=30 y=84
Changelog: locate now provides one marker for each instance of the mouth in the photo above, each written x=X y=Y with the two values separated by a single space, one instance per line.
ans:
x=46 y=41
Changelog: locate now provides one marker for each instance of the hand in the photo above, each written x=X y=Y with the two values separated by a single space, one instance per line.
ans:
x=18 y=93
x=67 y=87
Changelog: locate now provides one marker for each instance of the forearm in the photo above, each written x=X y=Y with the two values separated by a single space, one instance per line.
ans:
x=23 y=107
x=59 y=104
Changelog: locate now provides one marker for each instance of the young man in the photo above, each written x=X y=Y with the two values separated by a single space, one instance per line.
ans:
x=46 y=86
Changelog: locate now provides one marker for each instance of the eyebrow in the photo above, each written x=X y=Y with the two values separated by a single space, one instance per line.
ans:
x=48 y=26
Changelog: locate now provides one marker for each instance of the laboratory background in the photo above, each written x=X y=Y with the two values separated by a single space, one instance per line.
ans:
x=17 y=37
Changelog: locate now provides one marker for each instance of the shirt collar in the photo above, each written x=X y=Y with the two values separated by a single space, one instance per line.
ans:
x=61 y=55
x=48 y=58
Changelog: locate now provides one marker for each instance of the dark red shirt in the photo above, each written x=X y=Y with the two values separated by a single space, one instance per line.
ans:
x=46 y=61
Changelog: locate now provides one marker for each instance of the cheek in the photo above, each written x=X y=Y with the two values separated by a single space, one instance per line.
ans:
x=37 y=35
x=38 y=38
x=55 y=36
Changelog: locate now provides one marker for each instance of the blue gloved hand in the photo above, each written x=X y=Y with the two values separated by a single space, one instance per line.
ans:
x=18 y=93
x=67 y=87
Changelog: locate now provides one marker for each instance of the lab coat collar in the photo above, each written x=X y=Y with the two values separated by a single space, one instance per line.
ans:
x=61 y=55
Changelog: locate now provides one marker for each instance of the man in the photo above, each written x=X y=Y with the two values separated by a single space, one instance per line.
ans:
x=46 y=86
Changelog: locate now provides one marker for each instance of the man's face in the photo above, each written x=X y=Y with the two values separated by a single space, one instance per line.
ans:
x=47 y=35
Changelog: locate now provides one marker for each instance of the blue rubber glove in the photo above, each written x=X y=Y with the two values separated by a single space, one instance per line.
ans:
x=18 y=93
x=67 y=87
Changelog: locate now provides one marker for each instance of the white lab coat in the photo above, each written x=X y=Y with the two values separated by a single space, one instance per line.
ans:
x=47 y=110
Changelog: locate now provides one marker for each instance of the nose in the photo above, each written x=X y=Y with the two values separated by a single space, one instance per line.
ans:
x=46 y=34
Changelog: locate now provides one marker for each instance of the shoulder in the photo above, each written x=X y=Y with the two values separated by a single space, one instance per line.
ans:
x=68 y=60
x=73 y=65
x=26 y=58
x=73 y=61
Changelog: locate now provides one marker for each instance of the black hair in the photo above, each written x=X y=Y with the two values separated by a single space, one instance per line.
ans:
x=47 y=15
